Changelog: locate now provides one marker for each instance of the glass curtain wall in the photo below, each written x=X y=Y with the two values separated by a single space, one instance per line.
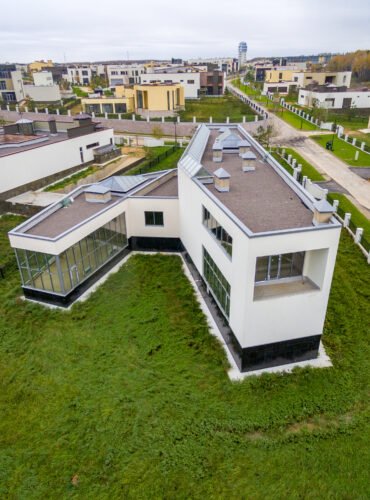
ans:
x=61 y=273
x=218 y=232
x=275 y=267
x=217 y=283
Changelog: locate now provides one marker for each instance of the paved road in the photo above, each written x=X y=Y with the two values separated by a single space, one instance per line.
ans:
x=323 y=160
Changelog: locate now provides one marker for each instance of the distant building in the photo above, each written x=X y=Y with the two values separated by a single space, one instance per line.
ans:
x=332 y=97
x=11 y=84
x=188 y=78
x=242 y=54
x=124 y=74
x=40 y=65
x=146 y=99
x=44 y=89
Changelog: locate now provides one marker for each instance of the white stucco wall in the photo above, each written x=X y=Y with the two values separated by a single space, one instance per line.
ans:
x=359 y=99
x=136 y=218
x=28 y=166
x=256 y=322
x=43 y=93
x=190 y=89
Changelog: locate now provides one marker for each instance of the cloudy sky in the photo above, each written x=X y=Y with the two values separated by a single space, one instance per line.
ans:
x=76 y=30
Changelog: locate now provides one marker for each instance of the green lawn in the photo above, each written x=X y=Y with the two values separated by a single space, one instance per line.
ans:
x=307 y=168
x=165 y=163
x=218 y=107
x=357 y=218
x=72 y=179
x=79 y=93
x=126 y=396
x=344 y=151
x=294 y=120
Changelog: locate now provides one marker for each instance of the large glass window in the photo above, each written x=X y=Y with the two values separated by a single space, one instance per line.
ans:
x=217 y=283
x=154 y=218
x=274 y=267
x=61 y=273
x=221 y=235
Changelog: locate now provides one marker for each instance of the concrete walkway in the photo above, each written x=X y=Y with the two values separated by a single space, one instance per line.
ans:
x=321 y=159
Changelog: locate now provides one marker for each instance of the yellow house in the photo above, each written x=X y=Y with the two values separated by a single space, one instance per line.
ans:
x=159 y=97
x=279 y=75
x=39 y=65
x=142 y=99
x=108 y=104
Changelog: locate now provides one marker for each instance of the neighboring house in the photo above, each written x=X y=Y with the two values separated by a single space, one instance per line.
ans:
x=334 y=97
x=227 y=65
x=11 y=84
x=279 y=87
x=44 y=89
x=40 y=65
x=124 y=74
x=337 y=78
x=190 y=80
x=143 y=99
x=258 y=244
x=212 y=82
x=31 y=152
x=79 y=75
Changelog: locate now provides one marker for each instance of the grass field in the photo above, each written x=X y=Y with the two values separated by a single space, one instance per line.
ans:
x=218 y=107
x=294 y=120
x=307 y=168
x=169 y=161
x=126 y=396
x=344 y=151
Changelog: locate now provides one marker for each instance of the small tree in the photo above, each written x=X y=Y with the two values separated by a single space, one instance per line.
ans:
x=157 y=132
x=265 y=134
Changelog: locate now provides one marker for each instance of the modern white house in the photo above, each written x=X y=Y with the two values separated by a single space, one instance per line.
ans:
x=262 y=249
x=124 y=74
x=335 y=97
x=33 y=152
x=190 y=80
x=43 y=89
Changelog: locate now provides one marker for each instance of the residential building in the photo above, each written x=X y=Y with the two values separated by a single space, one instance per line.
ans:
x=79 y=74
x=42 y=78
x=338 y=78
x=279 y=87
x=190 y=80
x=40 y=65
x=34 y=153
x=227 y=65
x=124 y=74
x=212 y=82
x=146 y=98
x=11 y=84
x=332 y=97
x=242 y=54
x=261 y=248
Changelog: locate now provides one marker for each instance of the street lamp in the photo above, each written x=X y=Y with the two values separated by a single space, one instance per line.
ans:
x=175 y=123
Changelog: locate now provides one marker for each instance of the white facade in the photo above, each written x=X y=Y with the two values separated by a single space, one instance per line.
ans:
x=335 y=100
x=225 y=64
x=80 y=75
x=31 y=165
x=124 y=74
x=42 y=78
x=190 y=81
x=42 y=93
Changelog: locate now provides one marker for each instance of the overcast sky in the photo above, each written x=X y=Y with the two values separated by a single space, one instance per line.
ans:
x=87 y=30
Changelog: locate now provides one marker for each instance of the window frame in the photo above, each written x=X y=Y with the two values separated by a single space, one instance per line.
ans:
x=154 y=214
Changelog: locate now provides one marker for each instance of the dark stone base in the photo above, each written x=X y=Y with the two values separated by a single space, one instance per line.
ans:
x=278 y=353
x=155 y=244
x=67 y=300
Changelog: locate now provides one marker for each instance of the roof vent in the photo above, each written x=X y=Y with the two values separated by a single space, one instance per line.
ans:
x=222 y=180
x=322 y=212
x=217 y=152
x=249 y=160
x=96 y=193
x=244 y=147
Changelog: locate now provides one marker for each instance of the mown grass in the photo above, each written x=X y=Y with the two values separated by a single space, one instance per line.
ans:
x=219 y=108
x=307 y=168
x=126 y=396
x=72 y=179
x=165 y=163
x=344 y=151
